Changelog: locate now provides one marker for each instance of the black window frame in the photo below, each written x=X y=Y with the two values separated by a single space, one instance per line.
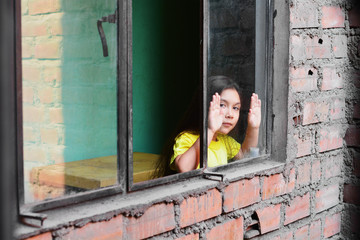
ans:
x=124 y=69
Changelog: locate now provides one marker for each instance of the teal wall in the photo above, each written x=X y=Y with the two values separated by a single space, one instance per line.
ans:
x=88 y=85
x=165 y=68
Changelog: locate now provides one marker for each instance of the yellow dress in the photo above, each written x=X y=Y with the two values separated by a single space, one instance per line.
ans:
x=219 y=152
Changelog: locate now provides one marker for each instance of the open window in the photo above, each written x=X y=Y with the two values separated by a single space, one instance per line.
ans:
x=103 y=84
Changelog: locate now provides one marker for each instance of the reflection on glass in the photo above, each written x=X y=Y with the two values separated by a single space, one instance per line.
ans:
x=231 y=71
x=165 y=77
x=69 y=98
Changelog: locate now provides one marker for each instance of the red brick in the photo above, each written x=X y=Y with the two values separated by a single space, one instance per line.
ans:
x=332 y=17
x=27 y=47
x=318 y=47
x=157 y=219
x=42 y=236
x=43 y=6
x=331 y=79
x=31 y=73
x=315 y=230
x=269 y=218
x=33 y=114
x=316 y=171
x=302 y=233
x=356 y=112
x=297 y=48
x=33 y=27
x=332 y=225
x=273 y=186
x=284 y=236
x=232 y=229
x=48 y=48
x=303 y=176
x=337 y=108
x=354 y=16
x=49 y=136
x=340 y=46
x=352 y=137
x=28 y=94
x=29 y=134
x=355 y=222
x=105 y=230
x=46 y=95
x=194 y=236
x=52 y=75
x=241 y=194
x=34 y=154
x=291 y=180
x=315 y=112
x=304 y=15
x=56 y=115
x=298 y=208
x=332 y=166
x=352 y=194
x=330 y=138
x=303 y=79
x=304 y=144
x=197 y=209
x=326 y=198
x=356 y=164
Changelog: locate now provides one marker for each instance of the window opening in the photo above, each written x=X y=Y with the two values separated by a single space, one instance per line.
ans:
x=68 y=99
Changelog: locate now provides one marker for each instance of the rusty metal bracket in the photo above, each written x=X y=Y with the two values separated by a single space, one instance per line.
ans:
x=110 y=19
x=33 y=219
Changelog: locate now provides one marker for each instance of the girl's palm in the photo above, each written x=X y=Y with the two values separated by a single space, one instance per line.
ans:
x=215 y=116
x=254 y=117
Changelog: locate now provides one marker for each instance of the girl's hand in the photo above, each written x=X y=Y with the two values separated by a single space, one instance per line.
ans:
x=215 y=115
x=254 y=117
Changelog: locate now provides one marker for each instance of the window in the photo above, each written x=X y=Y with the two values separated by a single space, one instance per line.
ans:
x=90 y=124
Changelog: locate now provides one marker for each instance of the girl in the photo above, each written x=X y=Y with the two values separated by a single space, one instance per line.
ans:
x=183 y=153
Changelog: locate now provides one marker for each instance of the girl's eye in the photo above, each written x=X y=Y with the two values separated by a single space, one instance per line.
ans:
x=236 y=108
x=222 y=105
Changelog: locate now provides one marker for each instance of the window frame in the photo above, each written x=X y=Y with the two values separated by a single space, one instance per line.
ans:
x=124 y=79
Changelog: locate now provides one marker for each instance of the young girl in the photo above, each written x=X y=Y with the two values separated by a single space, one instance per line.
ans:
x=183 y=152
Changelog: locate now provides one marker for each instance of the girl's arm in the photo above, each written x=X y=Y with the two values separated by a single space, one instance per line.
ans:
x=252 y=131
x=190 y=159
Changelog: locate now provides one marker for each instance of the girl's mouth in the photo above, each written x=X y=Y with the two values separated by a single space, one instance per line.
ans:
x=227 y=124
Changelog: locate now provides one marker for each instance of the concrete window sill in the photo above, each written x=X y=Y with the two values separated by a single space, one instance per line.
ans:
x=108 y=207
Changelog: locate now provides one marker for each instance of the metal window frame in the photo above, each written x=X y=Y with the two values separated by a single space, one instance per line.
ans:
x=124 y=69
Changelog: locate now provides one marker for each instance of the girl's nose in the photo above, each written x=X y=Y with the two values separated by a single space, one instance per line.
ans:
x=229 y=113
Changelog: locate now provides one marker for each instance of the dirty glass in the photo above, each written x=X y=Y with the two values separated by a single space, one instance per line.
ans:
x=233 y=52
x=165 y=76
x=69 y=97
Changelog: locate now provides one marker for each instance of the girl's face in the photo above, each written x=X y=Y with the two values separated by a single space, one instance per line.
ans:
x=230 y=107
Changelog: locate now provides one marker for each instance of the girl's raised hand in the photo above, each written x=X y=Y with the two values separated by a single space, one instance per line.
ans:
x=215 y=115
x=254 y=117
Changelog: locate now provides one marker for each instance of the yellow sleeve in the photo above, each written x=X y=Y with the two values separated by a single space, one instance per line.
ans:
x=232 y=147
x=183 y=142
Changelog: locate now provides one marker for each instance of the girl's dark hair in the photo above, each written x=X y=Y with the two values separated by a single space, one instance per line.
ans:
x=191 y=122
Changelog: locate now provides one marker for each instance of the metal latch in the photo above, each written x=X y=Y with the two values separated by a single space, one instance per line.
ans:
x=33 y=219
x=110 y=19
x=207 y=174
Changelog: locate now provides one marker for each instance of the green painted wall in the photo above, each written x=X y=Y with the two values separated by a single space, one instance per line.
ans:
x=165 y=68
x=88 y=85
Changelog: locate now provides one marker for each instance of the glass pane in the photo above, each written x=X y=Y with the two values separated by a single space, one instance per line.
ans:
x=231 y=59
x=69 y=98
x=165 y=77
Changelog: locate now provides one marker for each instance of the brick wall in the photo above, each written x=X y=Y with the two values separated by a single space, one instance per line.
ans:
x=315 y=195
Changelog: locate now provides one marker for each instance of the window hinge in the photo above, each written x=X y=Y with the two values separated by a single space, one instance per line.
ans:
x=33 y=219
x=209 y=175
